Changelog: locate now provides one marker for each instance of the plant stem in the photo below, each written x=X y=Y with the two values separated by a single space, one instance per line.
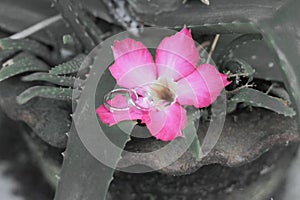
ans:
x=36 y=27
x=212 y=49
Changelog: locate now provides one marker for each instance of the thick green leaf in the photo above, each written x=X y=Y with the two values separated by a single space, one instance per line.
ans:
x=6 y=54
x=55 y=79
x=281 y=93
x=259 y=99
x=47 y=92
x=285 y=41
x=235 y=44
x=195 y=147
x=86 y=30
x=166 y=13
x=84 y=177
x=23 y=62
x=29 y=45
x=244 y=39
x=190 y=133
x=223 y=28
x=69 y=67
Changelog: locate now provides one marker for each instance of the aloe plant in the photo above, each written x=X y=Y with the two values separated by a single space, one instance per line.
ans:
x=284 y=43
x=82 y=176
x=23 y=62
x=256 y=98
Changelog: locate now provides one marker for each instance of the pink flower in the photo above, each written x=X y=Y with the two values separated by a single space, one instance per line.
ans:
x=163 y=86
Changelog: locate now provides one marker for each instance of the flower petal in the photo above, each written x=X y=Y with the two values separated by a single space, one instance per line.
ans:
x=202 y=87
x=114 y=117
x=134 y=65
x=177 y=56
x=166 y=124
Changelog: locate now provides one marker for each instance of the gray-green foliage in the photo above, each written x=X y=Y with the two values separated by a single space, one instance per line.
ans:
x=95 y=177
x=68 y=81
x=93 y=184
x=26 y=61
x=26 y=45
x=237 y=42
x=69 y=67
x=55 y=77
x=23 y=62
x=285 y=41
x=6 y=54
x=241 y=93
x=190 y=133
x=86 y=30
x=48 y=92
x=256 y=98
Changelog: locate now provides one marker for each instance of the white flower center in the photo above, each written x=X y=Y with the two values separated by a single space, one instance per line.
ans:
x=161 y=93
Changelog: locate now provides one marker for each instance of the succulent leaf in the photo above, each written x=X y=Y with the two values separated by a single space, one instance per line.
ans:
x=224 y=28
x=285 y=41
x=23 y=62
x=55 y=79
x=190 y=133
x=256 y=98
x=47 y=92
x=91 y=184
x=6 y=54
x=234 y=44
x=68 y=67
x=86 y=30
x=26 y=44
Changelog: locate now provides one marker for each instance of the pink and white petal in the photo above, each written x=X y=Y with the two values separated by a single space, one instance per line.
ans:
x=177 y=56
x=202 y=87
x=166 y=124
x=113 y=117
x=134 y=65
